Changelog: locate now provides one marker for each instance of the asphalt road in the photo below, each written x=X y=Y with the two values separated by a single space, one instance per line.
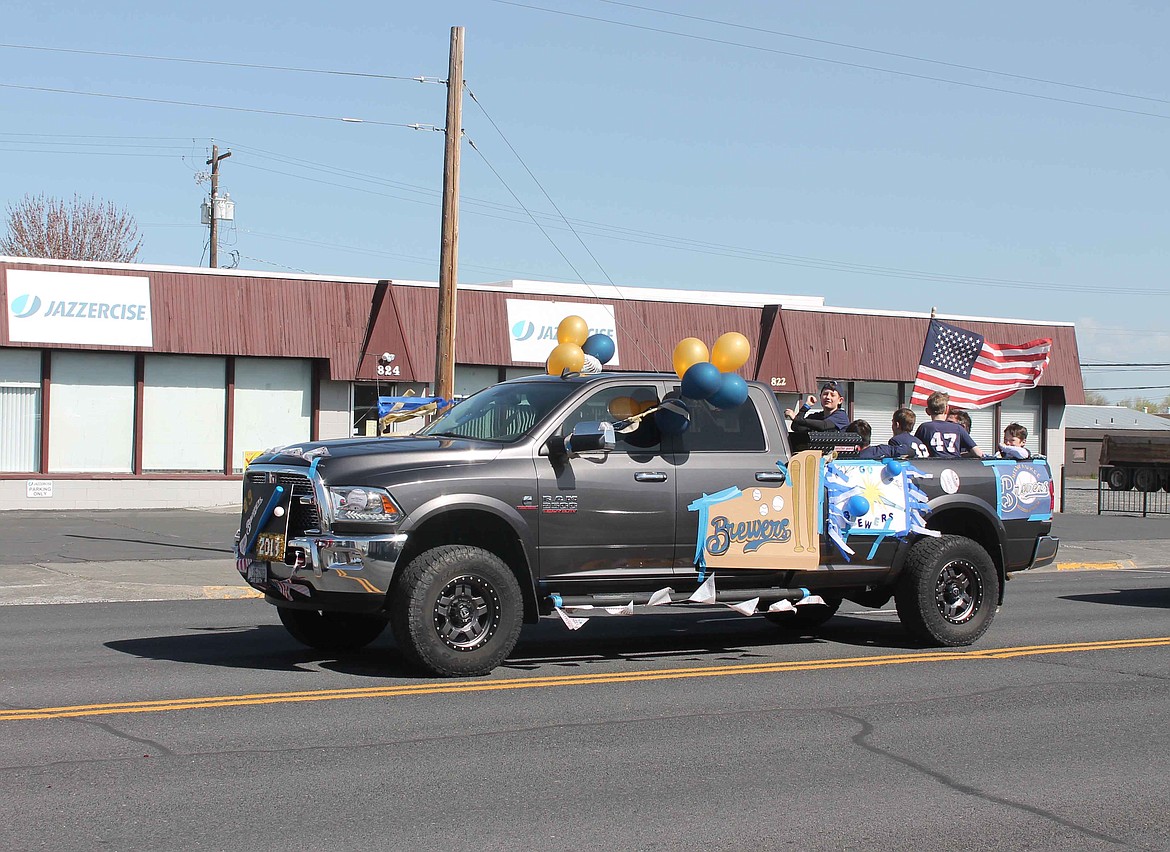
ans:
x=669 y=731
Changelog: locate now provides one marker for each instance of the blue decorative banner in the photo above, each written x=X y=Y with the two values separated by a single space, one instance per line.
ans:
x=1023 y=489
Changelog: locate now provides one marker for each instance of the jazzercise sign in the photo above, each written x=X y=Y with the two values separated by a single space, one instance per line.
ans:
x=77 y=307
x=532 y=326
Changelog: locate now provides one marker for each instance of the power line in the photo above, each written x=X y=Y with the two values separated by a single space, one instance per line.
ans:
x=1132 y=387
x=1144 y=364
x=93 y=136
x=630 y=235
x=890 y=53
x=140 y=99
x=90 y=144
x=839 y=62
x=639 y=237
x=429 y=261
x=88 y=153
x=273 y=263
x=564 y=218
x=109 y=53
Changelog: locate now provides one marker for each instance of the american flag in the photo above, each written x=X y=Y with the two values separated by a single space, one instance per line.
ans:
x=974 y=372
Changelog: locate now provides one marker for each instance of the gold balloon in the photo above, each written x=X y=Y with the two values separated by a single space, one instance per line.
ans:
x=623 y=407
x=689 y=351
x=730 y=352
x=573 y=329
x=568 y=356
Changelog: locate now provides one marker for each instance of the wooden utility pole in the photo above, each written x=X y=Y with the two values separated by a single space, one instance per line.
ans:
x=214 y=163
x=449 y=247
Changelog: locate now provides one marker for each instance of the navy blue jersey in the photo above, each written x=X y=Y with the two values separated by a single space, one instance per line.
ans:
x=905 y=444
x=879 y=451
x=944 y=439
x=818 y=421
x=838 y=418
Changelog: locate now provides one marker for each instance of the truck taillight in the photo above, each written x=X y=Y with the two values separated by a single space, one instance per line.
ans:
x=1051 y=496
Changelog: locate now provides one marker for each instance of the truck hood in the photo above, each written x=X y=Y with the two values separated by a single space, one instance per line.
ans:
x=370 y=460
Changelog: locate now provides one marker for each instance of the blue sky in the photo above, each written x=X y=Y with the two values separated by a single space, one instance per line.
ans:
x=688 y=153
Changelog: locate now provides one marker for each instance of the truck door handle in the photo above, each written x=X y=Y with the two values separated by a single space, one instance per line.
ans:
x=650 y=476
x=769 y=476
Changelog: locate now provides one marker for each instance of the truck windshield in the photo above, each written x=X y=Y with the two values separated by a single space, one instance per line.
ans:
x=502 y=413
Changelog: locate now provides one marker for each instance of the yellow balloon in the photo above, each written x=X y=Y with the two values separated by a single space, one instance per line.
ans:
x=568 y=356
x=573 y=329
x=730 y=352
x=622 y=407
x=689 y=351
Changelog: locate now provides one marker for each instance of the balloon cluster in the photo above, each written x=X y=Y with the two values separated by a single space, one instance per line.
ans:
x=711 y=376
x=577 y=350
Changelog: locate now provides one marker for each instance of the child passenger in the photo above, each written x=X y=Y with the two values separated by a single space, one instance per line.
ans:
x=943 y=438
x=865 y=451
x=1014 y=436
x=904 y=442
x=831 y=417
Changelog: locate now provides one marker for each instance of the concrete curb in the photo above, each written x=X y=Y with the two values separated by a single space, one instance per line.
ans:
x=118 y=582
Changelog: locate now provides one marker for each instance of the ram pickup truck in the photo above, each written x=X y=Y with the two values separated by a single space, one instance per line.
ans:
x=571 y=496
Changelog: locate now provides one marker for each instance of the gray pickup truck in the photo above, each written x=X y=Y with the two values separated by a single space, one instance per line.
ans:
x=524 y=500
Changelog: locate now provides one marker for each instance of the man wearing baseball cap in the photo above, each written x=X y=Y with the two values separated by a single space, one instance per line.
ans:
x=831 y=417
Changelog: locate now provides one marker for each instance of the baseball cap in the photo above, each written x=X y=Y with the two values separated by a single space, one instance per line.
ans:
x=831 y=386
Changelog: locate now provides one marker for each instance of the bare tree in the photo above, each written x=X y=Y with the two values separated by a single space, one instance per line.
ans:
x=1141 y=403
x=1095 y=398
x=83 y=229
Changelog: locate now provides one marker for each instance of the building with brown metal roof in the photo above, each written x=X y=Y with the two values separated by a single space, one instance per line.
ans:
x=126 y=385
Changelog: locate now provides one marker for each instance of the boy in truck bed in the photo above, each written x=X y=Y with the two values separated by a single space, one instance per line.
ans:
x=945 y=439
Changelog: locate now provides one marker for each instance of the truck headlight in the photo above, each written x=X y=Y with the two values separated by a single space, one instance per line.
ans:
x=356 y=503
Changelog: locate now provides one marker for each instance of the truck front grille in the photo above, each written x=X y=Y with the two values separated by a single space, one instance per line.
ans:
x=302 y=516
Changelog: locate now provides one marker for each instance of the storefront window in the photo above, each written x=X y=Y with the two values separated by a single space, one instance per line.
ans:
x=183 y=413
x=91 y=413
x=875 y=403
x=20 y=410
x=273 y=404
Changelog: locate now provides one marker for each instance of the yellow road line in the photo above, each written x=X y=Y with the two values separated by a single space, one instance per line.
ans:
x=448 y=687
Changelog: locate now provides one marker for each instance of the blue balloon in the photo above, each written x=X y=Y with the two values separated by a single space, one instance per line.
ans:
x=672 y=422
x=600 y=346
x=857 y=506
x=894 y=466
x=701 y=380
x=732 y=391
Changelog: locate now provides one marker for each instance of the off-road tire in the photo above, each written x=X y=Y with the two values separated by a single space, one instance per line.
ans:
x=1119 y=479
x=948 y=591
x=456 y=611
x=807 y=617
x=332 y=631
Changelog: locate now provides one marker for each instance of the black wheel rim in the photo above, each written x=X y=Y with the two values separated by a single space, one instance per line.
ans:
x=467 y=612
x=958 y=592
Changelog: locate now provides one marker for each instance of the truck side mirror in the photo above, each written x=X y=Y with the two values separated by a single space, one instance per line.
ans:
x=589 y=436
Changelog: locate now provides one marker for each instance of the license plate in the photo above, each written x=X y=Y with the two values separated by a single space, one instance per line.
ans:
x=258 y=573
x=269 y=547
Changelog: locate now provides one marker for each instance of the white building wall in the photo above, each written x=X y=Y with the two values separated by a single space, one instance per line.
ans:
x=121 y=493
x=1054 y=441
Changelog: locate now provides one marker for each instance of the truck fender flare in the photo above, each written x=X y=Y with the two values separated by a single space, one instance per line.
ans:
x=955 y=503
x=519 y=525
